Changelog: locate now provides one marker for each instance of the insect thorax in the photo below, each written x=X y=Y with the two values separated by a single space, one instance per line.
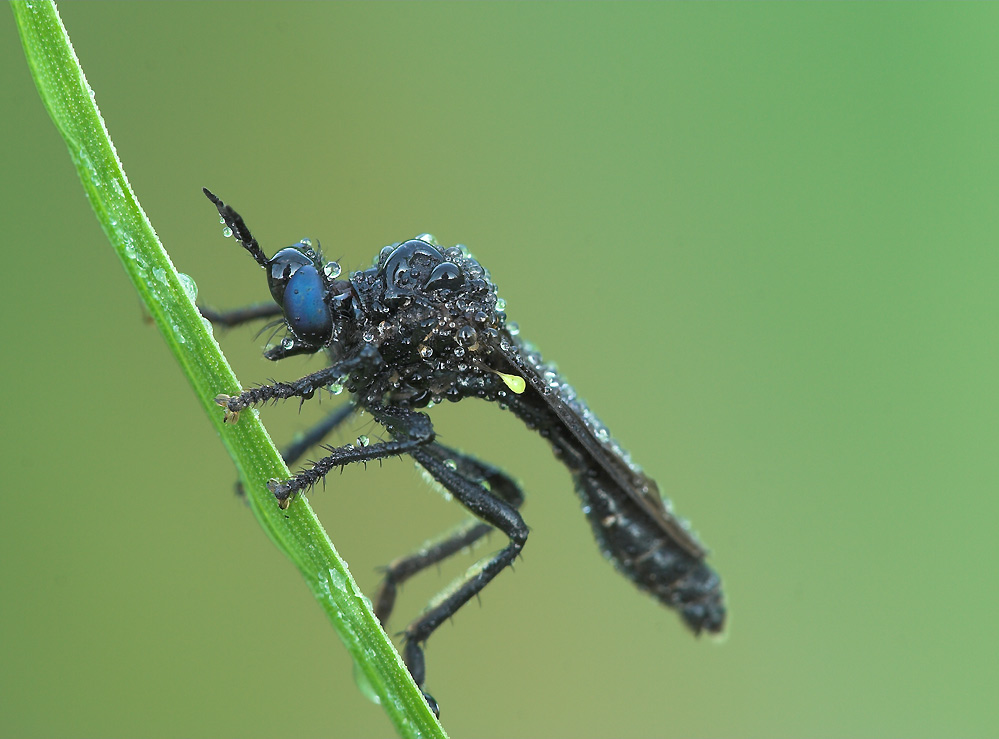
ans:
x=432 y=315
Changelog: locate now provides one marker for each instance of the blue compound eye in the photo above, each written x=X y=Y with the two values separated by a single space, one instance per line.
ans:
x=304 y=306
x=280 y=269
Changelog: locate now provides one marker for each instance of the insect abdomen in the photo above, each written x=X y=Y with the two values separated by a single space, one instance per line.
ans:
x=647 y=556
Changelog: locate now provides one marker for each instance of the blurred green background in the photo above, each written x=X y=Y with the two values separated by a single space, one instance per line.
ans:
x=759 y=239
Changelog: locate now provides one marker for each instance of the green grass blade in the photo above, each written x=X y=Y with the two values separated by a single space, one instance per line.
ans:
x=167 y=296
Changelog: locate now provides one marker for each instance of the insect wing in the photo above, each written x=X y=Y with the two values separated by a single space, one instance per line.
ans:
x=584 y=427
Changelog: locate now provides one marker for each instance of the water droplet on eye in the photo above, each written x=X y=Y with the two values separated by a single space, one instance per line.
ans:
x=425 y=351
x=450 y=464
x=331 y=270
x=227 y=232
x=190 y=287
x=362 y=441
x=500 y=304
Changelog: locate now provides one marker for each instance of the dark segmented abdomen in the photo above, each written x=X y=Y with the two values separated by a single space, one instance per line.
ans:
x=646 y=555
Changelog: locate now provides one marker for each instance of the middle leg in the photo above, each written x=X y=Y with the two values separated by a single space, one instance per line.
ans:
x=464 y=535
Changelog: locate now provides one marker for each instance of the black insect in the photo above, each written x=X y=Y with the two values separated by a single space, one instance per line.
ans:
x=424 y=325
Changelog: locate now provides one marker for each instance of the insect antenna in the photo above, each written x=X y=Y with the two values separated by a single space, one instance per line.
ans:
x=239 y=229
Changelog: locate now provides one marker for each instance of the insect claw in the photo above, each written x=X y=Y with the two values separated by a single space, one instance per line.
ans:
x=281 y=490
x=230 y=416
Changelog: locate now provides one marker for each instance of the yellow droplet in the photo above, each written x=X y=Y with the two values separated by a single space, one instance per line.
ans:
x=515 y=382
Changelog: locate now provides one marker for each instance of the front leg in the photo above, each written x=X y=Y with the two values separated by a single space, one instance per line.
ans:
x=239 y=316
x=303 y=388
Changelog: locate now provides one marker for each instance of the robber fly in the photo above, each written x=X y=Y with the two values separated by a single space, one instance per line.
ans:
x=424 y=325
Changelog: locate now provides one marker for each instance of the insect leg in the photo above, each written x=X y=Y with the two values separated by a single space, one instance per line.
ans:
x=409 y=430
x=294 y=451
x=239 y=316
x=494 y=511
x=464 y=535
x=301 y=388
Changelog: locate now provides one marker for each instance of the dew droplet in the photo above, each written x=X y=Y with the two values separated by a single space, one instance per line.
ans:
x=227 y=232
x=365 y=686
x=500 y=304
x=466 y=335
x=331 y=270
x=450 y=464
x=362 y=440
x=337 y=579
x=189 y=286
x=426 y=351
